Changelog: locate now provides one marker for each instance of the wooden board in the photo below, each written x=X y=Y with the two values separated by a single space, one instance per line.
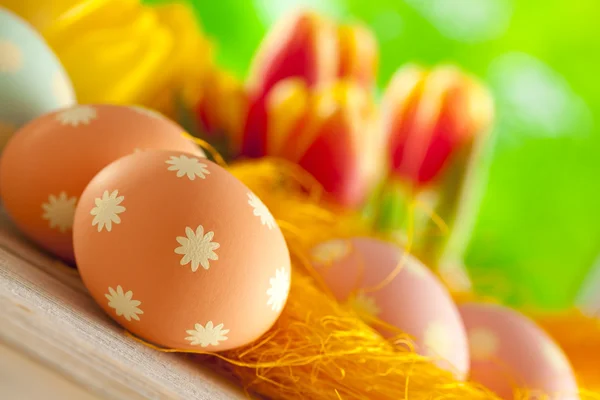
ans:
x=54 y=340
x=17 y=372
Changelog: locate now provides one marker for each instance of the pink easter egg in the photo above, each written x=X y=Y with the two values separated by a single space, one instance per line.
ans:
x=414 y=301
x=510 y=353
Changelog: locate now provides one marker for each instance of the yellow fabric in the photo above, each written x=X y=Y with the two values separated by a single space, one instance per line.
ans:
x=120 y=51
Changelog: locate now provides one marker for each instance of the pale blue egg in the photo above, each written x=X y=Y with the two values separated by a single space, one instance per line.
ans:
x=32 y=79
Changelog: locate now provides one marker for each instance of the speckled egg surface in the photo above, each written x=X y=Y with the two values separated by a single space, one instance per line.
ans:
x=47 y=163
x=510 y=352
x=414 y=300
x=180 y=252
x=32 y=79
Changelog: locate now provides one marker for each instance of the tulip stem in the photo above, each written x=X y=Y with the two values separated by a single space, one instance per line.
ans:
x=388 y=206
x=460 y=196
x=447 y=216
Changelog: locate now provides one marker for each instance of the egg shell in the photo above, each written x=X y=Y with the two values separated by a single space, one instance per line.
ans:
x=32 y=79
x=414 y=301
x=509 y=351
x=47 y=164
x=194 y=249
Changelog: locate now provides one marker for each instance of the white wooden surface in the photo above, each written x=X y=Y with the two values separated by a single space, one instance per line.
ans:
x=23 y=378
x=55 y=343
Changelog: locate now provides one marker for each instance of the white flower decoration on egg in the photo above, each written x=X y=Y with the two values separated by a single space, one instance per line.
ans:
x=123 y=303
x=331 y=251
x=483 y=344
x=207 y=335
x=363 y=304
x=280 y=287
x=197 y=248
x=260 y=210
x=59 y=211
x=11 y=57
x=188 y=166
x=107 y=210
x=77 y=115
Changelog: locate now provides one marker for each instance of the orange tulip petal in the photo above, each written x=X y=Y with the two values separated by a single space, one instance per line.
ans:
x=287 y=105
x=219 y=88
x=331 y=159
x=343 y=149
x=359 y=54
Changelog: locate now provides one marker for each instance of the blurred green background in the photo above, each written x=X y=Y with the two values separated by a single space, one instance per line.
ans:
x=539 y=224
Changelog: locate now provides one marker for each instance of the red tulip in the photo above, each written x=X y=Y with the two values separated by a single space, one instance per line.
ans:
x=287 y=106
x=430 y=116
x=312 y=51
x=331 y=131
x=302 y=45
